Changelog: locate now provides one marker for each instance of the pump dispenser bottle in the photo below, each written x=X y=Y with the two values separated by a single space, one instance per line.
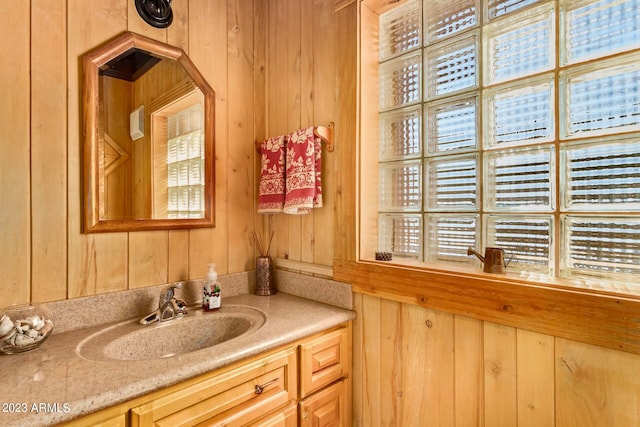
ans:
x=211 y=299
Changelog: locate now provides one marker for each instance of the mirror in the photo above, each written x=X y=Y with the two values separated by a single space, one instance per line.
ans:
x=148 y=146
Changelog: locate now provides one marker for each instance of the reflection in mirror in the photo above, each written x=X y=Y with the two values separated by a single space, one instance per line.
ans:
x=148 y=153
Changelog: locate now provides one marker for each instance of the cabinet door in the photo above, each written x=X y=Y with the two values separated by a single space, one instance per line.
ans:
x=236 y=397
x=326 y=408
x=323 y=360
x=288 y=417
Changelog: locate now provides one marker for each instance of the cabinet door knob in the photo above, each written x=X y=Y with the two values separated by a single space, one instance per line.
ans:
x=260 y=388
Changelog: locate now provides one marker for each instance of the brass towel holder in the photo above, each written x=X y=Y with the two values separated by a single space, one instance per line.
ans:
x=325 y=133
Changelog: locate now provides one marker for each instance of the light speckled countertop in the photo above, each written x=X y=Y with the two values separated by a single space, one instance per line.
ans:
x=54 y=383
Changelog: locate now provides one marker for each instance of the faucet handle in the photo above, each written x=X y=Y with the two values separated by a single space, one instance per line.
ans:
x=167 y=293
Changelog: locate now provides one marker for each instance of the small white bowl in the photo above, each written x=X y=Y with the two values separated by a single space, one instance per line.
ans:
x=24 y=327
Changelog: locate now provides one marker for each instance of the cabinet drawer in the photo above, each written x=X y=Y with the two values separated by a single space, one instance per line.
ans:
x=287 y=417
x=328 y=407
x=323 y=360
x=235 y=397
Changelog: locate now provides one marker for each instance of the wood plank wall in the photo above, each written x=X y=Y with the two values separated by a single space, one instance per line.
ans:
x=301 y=92
x=276 y=66
x=45 y=256
x=414 y=366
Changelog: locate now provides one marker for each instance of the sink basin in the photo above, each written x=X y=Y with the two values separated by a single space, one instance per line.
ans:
x=197 y=330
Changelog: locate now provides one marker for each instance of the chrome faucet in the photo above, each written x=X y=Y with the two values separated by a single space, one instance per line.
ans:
x=169 y=307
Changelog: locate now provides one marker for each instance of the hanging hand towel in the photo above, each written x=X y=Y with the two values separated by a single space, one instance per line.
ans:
x=303 y=172
x=271 y=191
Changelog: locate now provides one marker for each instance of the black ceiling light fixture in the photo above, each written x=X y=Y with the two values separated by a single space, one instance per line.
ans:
x=156 y=13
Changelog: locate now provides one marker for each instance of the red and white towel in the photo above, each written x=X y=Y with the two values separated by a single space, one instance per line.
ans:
x=271 y=193
x=303 y=187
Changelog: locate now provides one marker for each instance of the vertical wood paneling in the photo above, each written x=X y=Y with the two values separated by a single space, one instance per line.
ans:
x=324 y=110
x=390 y=351
x=47 y=257
x=428 y=367
x=278 y=64
x=301 y=91
x=307 y=60
x=440 y=368
x=178 y=268
x=357 y=370
x=460 y=371
x=240 y=128
x=368 y=135
x=136 y=24
x=148 y=258
x=260 y=8
x=178 y=32
x=301 y=71
x=294 y=29
x=104 y=265
x=596 y=386
x=535 y=379
x=469 y=373
x=273 y=97
x=371 y=361
x=48 y=150
x=344 y=221
x=15 y=182
x=208 y=33
x=415 y=355
x=96 y=263
x=500 y=375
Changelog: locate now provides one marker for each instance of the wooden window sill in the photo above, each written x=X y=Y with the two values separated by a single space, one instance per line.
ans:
x=593 y=317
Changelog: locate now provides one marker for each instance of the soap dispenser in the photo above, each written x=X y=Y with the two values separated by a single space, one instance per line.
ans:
x=211 y=299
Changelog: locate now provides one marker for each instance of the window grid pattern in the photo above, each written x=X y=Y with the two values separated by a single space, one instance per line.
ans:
x=489 y=153
x=185 y=163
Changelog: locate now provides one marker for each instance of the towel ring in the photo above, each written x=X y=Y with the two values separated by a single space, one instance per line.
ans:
x=325 y=133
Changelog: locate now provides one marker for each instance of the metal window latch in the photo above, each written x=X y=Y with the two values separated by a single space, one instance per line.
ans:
x=260 y=388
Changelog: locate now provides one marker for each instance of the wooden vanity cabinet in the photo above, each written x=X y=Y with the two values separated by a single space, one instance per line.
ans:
x=236 y=397
x=325 y=379
x=306 y=383
x=287 y=417
x=328 y=407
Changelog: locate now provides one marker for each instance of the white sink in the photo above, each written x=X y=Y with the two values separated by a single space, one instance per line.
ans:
x=197 y=330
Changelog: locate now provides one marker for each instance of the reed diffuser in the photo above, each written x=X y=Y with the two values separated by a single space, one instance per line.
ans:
x=265 y=284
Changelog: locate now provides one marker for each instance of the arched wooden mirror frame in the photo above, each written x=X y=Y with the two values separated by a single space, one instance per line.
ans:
x=92 y=61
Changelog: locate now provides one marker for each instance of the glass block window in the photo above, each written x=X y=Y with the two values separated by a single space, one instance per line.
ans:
x=449 y=235
x=602 y=174
x=497 y=8
x=185 y=163
x=400 y=30
x=446 y=18
x=604 y=100
x=451 y=67
x=518 y=180
x=514 y=124
x=400 y=186
x=451 y=126
x=400 y=81
x=601 y=247
x=519 y=45
x=613 y=26
x=401 y=235
x=527 y=241
x=452 y=183
x=519 y=114
x=401 y=133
